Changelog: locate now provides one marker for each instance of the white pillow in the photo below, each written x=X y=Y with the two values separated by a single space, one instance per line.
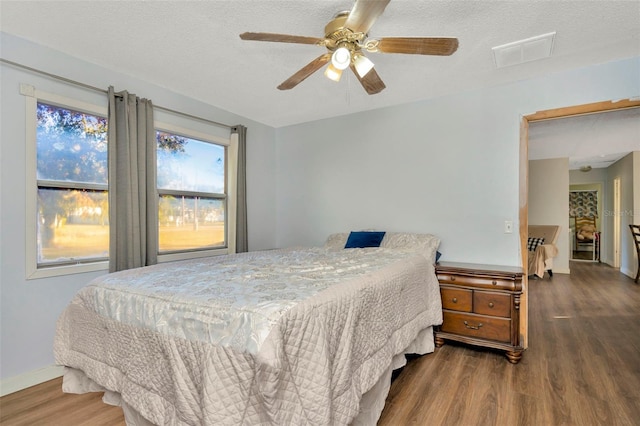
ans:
x=427 y=244
x=336 y=242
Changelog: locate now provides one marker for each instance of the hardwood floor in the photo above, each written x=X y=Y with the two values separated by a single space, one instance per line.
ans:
x=582 y=368
x=46 y=405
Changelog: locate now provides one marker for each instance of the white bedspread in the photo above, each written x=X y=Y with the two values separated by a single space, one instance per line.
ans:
x=276 y=337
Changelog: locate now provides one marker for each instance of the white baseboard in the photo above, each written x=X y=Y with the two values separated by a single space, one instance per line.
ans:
x=30 y=378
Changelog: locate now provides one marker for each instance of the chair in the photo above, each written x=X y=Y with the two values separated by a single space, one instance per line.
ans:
x=541 y=258
x=635 y=231
x=587 y=235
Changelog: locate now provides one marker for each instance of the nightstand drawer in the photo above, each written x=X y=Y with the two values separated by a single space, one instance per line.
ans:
x=496 y=304
x=477 y=282
x=456 y=299
x=491 y=328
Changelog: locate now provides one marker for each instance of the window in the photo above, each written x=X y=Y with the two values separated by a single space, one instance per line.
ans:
x=68 y=215
x=194 y=202
x=71 y=158
x=191 y=186
x=67 y=220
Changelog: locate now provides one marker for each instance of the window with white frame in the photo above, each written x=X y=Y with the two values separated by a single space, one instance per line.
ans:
x=71 y=169
x=67 y=208
x=196 y=183
x=67 y=186
x=191 y=186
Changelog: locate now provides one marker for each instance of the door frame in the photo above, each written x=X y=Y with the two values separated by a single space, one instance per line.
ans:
x=617 y=219
x=523 y=215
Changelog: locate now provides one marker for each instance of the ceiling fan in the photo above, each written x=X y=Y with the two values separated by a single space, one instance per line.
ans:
x=346 y=37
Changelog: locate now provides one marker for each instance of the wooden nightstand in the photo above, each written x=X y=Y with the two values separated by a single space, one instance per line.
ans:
x=481 y=306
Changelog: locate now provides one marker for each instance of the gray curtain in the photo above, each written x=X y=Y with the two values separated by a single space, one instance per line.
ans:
x=133 y=210
x=242 y=238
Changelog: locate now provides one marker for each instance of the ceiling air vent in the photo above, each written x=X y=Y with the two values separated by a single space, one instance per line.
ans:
x=526 y=50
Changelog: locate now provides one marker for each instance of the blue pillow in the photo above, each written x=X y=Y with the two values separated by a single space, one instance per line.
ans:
x=364 y=239
x=438 y=254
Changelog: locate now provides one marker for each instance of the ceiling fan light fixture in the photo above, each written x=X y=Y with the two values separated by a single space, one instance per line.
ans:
x=341 y=58
x=333 y=73
x=362 y=64
x=345 y=38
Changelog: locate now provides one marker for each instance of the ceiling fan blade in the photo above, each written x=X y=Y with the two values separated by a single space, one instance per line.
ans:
x=371 y=81
x=305 y=72
x=442 y=46
x=282 y=38
x=364 y=13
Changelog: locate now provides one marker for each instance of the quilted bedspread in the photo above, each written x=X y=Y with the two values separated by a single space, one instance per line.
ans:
x=287 y=337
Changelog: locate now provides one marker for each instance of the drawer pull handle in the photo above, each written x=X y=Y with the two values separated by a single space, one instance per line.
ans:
x=453 y=278
x=494 y=282
x=473 y=327
x=454 y=300
x=491 y=304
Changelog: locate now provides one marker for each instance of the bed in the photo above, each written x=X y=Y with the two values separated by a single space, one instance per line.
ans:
x=279 y=337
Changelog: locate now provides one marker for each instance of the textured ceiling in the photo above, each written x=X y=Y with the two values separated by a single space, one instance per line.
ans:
x=193 y=48
x=596 y=140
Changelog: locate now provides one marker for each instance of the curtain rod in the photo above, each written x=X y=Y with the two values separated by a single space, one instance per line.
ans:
x=98 y=89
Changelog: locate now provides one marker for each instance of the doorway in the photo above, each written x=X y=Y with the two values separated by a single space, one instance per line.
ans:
x=592 y=108
x=585 y=221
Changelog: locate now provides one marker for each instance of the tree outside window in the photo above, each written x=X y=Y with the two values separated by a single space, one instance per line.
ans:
x=72 y=210
x=191 y=187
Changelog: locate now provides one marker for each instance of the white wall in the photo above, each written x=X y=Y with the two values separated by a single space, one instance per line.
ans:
x=636 y=187
x=577 y=177
x=635 y=219
x=625 y=170
x=448 y=166
x=548 y=201
x=29 y=309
